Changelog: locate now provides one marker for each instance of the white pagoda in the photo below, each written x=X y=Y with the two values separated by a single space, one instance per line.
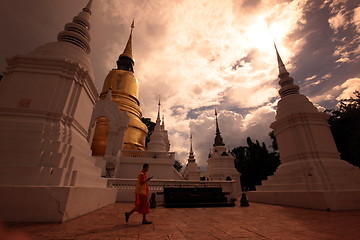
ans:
x=221 y=165
x=157 y=155
x=311 y=173
x=192 y=171
x=46 y=102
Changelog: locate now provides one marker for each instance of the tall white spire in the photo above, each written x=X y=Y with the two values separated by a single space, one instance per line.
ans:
x=77 y=31
x=157 y=142
x=158 y=114
x=192 y=171
x=163 y=123
x=165 y=134
x=286 y=82
x=191 y=153
x=281 y=65
x=158 y=120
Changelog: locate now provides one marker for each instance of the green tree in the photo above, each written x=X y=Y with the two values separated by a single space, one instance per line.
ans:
x=345 y=127
x=255 y=163
x=274 y=144
x=150 y=125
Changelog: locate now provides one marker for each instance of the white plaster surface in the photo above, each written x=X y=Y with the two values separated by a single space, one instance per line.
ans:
x=47 y=173
x=332 y=200
x=51 y=204
x=192 y=171
x=159 y=167
x=220 y=167
x=311 y=173
x=118 y=122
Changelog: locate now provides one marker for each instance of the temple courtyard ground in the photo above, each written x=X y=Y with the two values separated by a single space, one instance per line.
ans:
x=259 y=221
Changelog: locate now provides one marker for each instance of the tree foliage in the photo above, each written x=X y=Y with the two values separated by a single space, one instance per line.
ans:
x=274 y=144
x=177 y=165
x=255 y=163
x=345 y=127
x=150 y=125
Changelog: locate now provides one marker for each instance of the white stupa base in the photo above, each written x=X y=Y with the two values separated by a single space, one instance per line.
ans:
x=160 y=165
x=322 y=200
x=51 y=204
x=325 y=184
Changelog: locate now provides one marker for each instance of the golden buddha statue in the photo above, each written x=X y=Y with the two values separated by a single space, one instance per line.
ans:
x=125 y=91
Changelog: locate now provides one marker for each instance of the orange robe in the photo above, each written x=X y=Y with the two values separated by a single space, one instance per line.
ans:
x=142 y=194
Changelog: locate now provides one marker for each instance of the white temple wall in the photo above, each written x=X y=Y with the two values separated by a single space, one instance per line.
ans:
x=57 y=204
x=158 y=168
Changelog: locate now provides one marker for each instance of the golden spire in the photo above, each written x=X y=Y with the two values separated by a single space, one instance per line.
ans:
x=128 y=49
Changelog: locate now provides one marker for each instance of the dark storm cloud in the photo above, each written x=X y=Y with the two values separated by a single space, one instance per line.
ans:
x=177 y=110
x=194 y=113
x=317 y=56
x=240 y=62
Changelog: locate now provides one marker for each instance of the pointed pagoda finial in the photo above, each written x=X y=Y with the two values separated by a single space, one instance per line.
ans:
x=217 y=124
x=77 y=31
x=128 y=48
x=281 y=65
x=126 y=60
x=88 y=7
x=286 y=82
x=218 y=141
x=158 y=115
x=191 y=153
x=191 y=148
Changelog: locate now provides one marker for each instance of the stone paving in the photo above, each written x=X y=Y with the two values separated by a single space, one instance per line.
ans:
x=259 y=221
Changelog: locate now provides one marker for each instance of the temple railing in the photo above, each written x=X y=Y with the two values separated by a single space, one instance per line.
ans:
x=126 y=187
x=145 y=154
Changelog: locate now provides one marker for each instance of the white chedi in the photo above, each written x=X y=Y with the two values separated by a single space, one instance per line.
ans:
x=221 y=164
x=46 y=102
x=157 y=141
x=192 y=171
x=157 y=155
x=311 y=173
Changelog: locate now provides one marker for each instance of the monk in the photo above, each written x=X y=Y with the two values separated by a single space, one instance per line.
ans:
x=141 y=196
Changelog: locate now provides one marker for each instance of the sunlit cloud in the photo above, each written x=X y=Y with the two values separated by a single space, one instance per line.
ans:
x=348 y=88
x=338 y=21
x=310 y=78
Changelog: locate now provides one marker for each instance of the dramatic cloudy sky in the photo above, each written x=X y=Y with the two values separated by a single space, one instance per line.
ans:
x=202 y=55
